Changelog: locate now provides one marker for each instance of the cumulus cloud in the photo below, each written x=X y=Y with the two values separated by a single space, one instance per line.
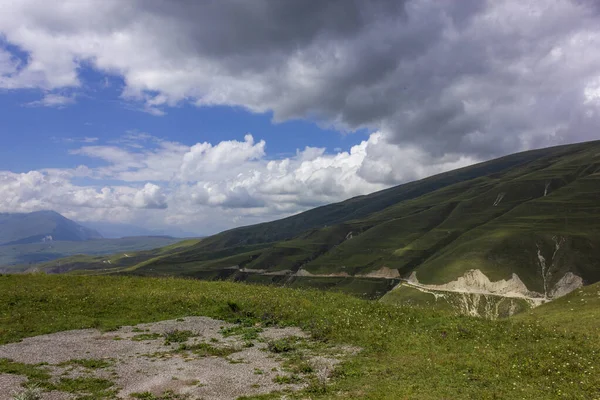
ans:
x=217 y=185
x=35 y=190
x=478 y=77
x=204 y=158
x=237 y=174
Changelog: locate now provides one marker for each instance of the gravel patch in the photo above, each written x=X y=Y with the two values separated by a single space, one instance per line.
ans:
x=274 y=334
x=202 y=363
x=54 y=395
x=9 y=384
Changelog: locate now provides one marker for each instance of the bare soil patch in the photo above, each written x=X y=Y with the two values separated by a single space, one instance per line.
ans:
x=194 y=357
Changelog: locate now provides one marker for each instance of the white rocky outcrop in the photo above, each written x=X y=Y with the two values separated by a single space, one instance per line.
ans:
x=566 y=285
x=475 y=281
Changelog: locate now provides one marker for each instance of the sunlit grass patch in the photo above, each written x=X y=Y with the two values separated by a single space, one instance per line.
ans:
x=245 y=332
x=89 y=363
x=178 y=336
x=146 y=336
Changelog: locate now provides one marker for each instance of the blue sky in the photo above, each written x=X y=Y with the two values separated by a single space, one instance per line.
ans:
x=202 y=116
x=99 y=112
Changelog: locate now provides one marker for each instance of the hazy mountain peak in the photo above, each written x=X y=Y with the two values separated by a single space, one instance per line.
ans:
x=41 y=226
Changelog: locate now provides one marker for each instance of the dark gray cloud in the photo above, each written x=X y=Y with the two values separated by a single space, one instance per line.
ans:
x=481 y=78
x=257 y=35
x=226 y=28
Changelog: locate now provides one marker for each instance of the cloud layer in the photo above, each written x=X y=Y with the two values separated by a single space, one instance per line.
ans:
x=481 y=77
x=441 y=83
x=214 y=186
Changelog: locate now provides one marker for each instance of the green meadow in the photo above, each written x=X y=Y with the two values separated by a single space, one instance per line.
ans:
x=407 y=352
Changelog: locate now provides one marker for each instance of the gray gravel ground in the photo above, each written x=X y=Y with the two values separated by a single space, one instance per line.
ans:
x=8 y=383
x=152 y=366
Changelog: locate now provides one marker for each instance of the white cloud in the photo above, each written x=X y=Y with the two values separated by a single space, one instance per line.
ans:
x=52 y=189
x=482 y=78
x=150 y=196
x=204 y=159
x=52 y=100
x=217 y=185
x=111 y=154
x=208 y=187
x=84 y=139
x=8 y=64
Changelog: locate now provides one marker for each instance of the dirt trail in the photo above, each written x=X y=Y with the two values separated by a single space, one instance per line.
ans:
x=303 y=272
x=383 y=272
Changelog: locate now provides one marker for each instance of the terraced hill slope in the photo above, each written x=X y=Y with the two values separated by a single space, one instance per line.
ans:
x=523 y=226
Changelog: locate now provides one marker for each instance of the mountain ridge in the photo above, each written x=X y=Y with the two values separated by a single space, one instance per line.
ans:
x=532 y=214
x=38 y=226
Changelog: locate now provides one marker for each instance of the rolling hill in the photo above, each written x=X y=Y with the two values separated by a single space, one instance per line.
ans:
x=524 y=227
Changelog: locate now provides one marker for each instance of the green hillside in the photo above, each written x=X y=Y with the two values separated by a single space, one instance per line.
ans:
x=534 y=214
x=579 y=311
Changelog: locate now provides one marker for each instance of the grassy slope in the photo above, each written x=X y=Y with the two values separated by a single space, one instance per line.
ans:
x=455 y=228
x=407 y=353
x=361 y=207
x=441 y=227
x=508 y=243
x=579 y=311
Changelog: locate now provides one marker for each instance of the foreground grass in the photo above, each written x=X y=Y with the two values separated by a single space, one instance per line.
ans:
x=407 y=353
x=577 y=312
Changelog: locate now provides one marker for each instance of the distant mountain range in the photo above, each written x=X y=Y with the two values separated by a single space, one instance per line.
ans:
x=30 y=238
x=41 y=226
x=115 y=230
x=524 y=227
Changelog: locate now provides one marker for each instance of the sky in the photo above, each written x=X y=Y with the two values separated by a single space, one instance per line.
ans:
x=206 y=115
